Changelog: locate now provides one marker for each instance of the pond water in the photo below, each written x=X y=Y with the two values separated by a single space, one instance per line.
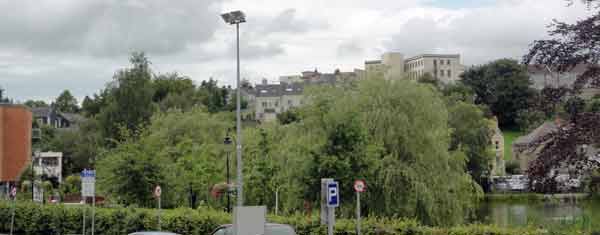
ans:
x=540 y=214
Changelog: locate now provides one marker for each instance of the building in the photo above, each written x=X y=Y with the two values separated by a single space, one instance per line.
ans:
x=445 y=67
x=51 y=117
x=273 y=99
x=522 y=151
x=543 y=76
x=15 y=143
x=498 y=163
x=49 y=165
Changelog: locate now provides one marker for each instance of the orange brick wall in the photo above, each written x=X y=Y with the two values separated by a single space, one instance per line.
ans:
x=15 y=141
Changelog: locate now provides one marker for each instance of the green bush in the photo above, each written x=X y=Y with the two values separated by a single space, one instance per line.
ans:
x=37 y=219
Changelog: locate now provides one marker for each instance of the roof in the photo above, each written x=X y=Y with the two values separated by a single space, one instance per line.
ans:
x=373 y=62
x=433 y=55
x=73 y=117
x=539 y=132
x=275 y=90
x=41 y=111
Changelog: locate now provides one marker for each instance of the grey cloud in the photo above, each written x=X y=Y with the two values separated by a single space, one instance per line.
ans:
x=480 y=35
x=106 y=28
x=287 y=21
x=257 y=50
x=350 y=48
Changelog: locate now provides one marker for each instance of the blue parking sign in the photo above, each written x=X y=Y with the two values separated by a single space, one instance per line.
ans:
x=333 y=196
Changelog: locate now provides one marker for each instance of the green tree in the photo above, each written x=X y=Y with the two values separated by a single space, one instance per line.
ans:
x=129 y=105
x=181 y=151
x=3 y=98
x=289 y=116
x=503 y=85
x=66 y=103
x=36 y=104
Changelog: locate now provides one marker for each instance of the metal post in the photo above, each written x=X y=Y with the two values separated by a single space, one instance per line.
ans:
x=330 y=220
x=84 y=211
x=93 y=211
x=12 y=218
x=277 y=201
x=228 y=184
x=240 y=191
x=159 y=228
x=358 y=213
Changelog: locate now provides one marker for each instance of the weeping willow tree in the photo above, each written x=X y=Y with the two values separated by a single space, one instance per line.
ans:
x=395 y=135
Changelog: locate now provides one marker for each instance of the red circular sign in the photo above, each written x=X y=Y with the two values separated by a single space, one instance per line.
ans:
x=13 y=192
x=157 y=191
x=360 y=186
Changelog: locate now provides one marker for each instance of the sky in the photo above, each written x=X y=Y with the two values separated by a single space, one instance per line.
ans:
x=47 y=46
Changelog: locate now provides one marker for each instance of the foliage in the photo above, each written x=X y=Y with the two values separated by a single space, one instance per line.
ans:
x=471 y=133
x=503 y=85
x=569 y=45
x=289 y=116
x=529 y=119
x=129 y=105
x=66 y=103
x=3 y=98
x=35 y=104
x=429 y=79
x=513 y=168
x=182 y=152
x=58 y=219
x=393 y=134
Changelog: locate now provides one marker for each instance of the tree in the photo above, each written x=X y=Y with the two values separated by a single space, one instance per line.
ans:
x=395 y=134
x=569 y=45
x=503 y=85
x=36 y=104
x=66 y=103
x=289 y=116
x=181 y=151
x=4 y=99
x=471 y=134
x=129 y=104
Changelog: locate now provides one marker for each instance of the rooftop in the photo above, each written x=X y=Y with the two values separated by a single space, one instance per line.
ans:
x=456 y=56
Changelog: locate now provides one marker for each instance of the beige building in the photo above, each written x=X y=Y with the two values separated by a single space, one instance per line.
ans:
x=446 y=67
x=498 y=163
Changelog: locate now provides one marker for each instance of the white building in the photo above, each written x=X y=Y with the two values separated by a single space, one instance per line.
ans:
x=49 y=164
x=445 y=67
x=273 y=99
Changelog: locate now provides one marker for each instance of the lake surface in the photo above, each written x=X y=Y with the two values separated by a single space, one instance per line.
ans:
x=540 y=214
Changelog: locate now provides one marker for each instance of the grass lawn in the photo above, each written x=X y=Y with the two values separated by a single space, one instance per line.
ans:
x=509 y=137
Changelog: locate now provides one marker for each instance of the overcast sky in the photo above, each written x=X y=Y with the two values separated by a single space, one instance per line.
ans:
x=47 y=46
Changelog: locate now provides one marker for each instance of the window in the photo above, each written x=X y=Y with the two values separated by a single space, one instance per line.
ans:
x=442 y=73
x=497 y=145
x=449 y=73
x=441 y=62
x=290 y=102
x=434 y=62
x=448 y=62
x=264 y=104
x=276 y=103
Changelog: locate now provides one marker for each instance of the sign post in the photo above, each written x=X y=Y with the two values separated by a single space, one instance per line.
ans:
x=157 y=193
x=332 y=200
x=88 y=189
x=359 y=186
x=13 y=194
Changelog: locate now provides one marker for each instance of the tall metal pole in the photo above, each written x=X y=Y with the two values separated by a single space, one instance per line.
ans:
x=228 y=183
x=358 y=213
x=240 y=190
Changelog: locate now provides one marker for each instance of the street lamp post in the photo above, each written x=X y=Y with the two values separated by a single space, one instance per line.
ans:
x=236 y=18
x=227 y=142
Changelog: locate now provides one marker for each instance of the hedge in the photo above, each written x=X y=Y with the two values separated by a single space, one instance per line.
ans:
x=35 y=219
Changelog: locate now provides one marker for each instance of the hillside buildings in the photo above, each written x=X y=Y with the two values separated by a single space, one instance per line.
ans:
x=392 y=66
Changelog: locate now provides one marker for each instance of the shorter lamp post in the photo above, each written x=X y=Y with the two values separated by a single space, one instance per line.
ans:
x=227 y=141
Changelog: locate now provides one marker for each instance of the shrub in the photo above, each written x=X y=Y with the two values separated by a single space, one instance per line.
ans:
x=61 y=219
